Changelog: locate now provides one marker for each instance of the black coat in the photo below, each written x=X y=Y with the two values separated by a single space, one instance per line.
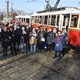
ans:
x=17 y=34
x=49 y=37
x=41 y=35
x=5 y=38
x=12 y=37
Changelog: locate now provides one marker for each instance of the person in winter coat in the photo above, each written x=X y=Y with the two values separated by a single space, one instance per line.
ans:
x=17 y=33
x=33 y=41
x=65 y=43
x=49 y=39
x=5 y=41
x=12 y=41
x=28 y=30
x=54 y=36
x=58 y=44
x=24 y=40
x=41 y=40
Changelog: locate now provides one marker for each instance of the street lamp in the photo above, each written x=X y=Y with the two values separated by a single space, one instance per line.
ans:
x=7 y=8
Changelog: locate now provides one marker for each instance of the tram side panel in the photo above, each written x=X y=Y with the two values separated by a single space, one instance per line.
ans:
x=74 y=37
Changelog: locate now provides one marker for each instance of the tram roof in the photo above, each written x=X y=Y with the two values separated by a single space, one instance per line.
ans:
x=67 y=10
x=58 y=9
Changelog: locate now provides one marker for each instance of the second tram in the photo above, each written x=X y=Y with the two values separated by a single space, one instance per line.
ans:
x=23 y=19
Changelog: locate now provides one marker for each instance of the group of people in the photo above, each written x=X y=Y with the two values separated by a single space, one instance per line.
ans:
x=25 y=38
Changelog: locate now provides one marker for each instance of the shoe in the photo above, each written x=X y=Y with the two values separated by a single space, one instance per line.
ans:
x=49 y=50
x=6 y=54
x=16 y=54
x=11 y=53
x=24 y=53
x=55 y=57
x=59 y=59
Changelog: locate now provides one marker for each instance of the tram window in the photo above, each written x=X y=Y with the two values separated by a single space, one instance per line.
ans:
x=74 y=21
x=58 y=20
x=32 y=20
x=27 y=20
x=19 y=19
x=66 y=20
x=40 y=19
x=24 y=19
x=53 y=20
x=45 y=20
x=49 y=19
x=36 y=19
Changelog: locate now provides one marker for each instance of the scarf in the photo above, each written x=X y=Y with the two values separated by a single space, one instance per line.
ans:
x=58 y=38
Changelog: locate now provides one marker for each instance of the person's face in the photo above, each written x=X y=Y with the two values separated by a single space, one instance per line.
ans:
x=5 y=29
x=49 y=30
x=59 y=33
x=54 y=30
x=10 y=29
x=41 y=29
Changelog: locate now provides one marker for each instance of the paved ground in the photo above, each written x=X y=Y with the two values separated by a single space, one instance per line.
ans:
x=40 y=67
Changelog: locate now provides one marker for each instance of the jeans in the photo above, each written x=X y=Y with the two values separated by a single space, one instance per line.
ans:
x=33 y=48
x=23 y=45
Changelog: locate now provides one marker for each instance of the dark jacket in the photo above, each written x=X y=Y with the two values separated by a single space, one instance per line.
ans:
x=12 y=37
x=49 y=37
x=41 y=35
x=5 y=38
x=17 y=34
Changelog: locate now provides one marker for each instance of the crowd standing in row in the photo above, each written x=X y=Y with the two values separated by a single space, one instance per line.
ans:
x=25 y=38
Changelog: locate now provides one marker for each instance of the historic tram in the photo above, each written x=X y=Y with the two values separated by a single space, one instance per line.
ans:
x=64 y=18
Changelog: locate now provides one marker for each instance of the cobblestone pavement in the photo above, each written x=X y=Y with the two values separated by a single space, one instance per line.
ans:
x=40 y=66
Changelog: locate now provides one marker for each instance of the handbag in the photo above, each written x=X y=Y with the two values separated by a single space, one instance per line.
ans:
x=43 y=39
x=32 y=40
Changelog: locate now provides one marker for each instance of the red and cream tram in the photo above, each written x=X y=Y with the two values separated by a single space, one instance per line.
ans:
x=65 y=17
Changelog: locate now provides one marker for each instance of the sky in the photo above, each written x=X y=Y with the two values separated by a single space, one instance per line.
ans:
x=36 y=5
